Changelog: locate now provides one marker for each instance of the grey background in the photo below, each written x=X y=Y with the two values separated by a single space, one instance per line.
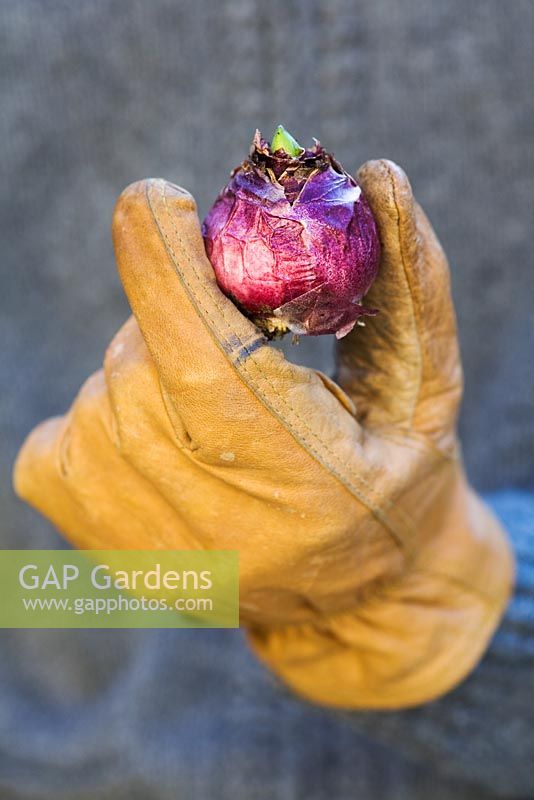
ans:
x=99 y=93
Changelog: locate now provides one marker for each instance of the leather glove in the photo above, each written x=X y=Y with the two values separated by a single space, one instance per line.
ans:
x=371 y=574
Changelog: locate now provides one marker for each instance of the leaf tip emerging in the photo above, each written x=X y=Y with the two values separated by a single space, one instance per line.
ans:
x=282 y=140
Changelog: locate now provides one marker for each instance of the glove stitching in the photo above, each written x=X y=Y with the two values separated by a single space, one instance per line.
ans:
x=388 y=504
x=214 y=299
x=368 y=501
x=251 y=358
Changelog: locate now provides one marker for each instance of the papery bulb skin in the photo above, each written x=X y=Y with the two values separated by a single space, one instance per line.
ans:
x=292 y=240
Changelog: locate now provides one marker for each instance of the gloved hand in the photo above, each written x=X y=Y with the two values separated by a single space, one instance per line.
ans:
x=371 y=574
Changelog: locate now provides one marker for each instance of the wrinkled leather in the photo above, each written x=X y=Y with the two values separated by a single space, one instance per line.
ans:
x=372 y=576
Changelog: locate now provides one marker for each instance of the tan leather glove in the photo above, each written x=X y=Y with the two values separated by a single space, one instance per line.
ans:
x=371 y=575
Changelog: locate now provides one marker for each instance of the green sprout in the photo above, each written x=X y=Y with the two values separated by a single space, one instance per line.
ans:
x=282 y=140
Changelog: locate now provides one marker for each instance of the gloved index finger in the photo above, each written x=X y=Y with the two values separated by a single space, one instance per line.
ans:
x=238 y=397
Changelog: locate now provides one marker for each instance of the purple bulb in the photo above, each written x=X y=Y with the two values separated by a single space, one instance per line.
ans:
x=292 y=240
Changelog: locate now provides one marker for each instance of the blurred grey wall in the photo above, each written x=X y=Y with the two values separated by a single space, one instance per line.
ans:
x=96 y=94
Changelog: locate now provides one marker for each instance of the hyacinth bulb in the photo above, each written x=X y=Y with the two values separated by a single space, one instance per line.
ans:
x=292 y=240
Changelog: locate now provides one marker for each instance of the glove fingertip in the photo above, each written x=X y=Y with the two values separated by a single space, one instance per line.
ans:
x=386 y=187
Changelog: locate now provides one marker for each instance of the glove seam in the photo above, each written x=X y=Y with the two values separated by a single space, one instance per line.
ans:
x=372 y=500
